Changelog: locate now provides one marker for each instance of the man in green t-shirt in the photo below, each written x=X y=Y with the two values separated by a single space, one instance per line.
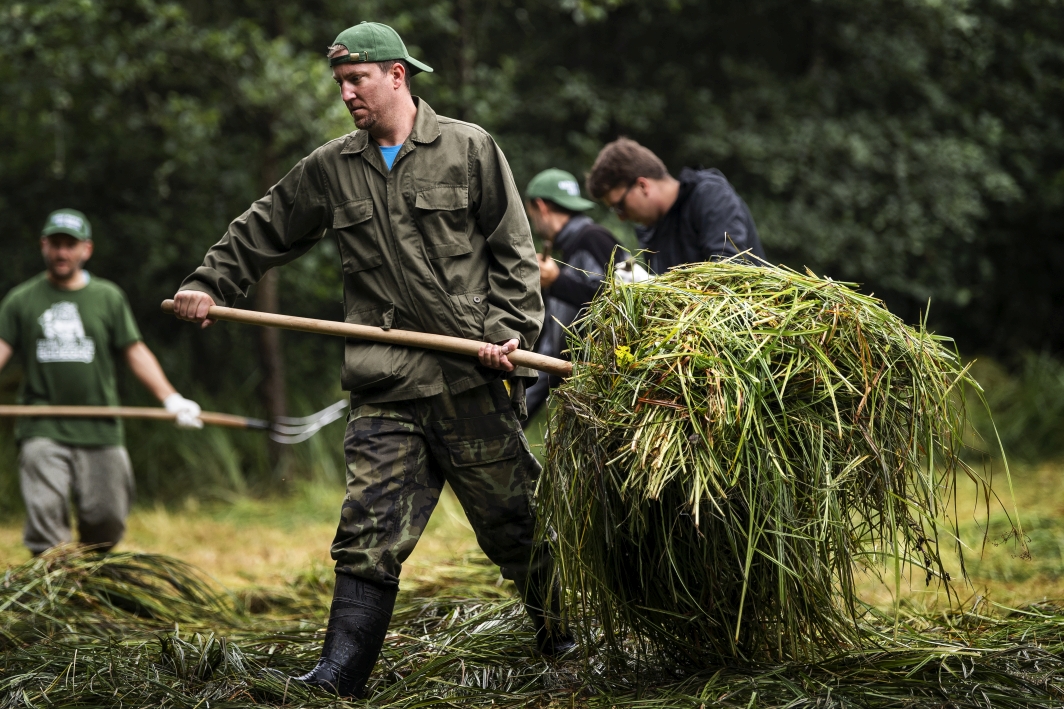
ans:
x=67 y=328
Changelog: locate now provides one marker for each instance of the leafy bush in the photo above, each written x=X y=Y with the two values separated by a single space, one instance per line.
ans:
x=1027 y=406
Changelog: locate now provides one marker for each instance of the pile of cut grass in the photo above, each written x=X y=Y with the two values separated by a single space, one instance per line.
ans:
x=138 y=630
x=53 y=594
x=736 y=442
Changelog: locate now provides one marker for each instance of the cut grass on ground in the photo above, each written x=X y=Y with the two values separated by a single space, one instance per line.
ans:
x=459 y=639
x=142 y=630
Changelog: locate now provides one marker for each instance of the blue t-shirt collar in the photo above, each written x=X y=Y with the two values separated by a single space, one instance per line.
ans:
x=388 y=152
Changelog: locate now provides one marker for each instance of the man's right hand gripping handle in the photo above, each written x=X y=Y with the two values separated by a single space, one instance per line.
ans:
x=193 y=305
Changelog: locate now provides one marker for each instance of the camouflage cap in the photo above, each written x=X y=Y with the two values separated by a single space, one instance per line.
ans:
x=374 y=42
x=560 y=187
x=68 y=221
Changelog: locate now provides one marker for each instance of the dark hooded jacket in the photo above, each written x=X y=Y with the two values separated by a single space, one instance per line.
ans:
x=708 y=221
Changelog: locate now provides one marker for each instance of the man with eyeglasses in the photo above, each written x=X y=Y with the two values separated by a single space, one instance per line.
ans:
x=698 y=217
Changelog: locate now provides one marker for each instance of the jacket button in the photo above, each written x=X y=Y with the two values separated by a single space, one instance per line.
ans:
x=476 y=299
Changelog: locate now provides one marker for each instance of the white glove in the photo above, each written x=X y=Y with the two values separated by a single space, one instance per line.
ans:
x=187 y=411
x=630 y=272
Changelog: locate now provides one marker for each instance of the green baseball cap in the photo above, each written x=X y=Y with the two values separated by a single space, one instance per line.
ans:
x=68 y=221
x=560 y=187
x=374 y=42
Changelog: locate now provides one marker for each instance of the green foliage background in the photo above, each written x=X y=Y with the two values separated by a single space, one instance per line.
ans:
x=915 y=146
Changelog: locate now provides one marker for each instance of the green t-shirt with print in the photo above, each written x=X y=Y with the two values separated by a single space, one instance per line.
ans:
x=67 y=341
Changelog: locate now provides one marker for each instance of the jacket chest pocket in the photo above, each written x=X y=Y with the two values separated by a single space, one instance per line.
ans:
x=442 y=216
x=353 y=224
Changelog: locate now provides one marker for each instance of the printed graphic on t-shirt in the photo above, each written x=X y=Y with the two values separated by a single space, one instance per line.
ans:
x=64 y=336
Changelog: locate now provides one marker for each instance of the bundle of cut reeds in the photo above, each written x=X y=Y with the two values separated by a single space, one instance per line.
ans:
x=737 y=443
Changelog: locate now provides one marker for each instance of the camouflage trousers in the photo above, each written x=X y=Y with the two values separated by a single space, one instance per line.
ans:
x=400 y=454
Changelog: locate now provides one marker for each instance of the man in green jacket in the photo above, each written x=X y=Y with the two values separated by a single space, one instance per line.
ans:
x=433 y=238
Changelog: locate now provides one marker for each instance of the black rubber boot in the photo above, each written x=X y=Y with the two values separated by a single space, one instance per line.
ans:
x=358 y=622
x=552 y=639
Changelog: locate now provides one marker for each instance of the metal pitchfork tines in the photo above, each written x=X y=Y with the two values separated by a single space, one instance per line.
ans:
x=296 y=430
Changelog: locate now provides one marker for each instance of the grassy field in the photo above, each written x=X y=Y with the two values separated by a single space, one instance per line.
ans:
x=269 y=541
x=245 y=540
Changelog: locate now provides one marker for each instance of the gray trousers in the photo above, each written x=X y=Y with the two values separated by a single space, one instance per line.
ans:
x=100 y=480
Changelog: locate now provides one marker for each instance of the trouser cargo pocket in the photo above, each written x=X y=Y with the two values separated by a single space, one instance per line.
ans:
x=480 y=440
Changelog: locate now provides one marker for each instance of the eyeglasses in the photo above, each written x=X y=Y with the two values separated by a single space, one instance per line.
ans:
x=618 y=207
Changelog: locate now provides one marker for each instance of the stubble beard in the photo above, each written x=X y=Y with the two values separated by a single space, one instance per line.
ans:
x=366 y=122
x=63 y=272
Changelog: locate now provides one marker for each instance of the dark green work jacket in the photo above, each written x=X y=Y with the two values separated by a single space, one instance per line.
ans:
x=440 y=244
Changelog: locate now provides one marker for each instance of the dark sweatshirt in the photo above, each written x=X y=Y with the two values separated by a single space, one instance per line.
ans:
x=586 y=249
x=706 y=209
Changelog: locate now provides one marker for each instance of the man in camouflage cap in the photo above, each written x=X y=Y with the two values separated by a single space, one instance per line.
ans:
x=433 y=238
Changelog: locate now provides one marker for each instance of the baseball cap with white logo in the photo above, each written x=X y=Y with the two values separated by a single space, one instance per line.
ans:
x=68 y=221
x=560 y=187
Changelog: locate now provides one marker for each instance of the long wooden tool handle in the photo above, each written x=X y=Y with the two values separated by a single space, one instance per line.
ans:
x=424 y=340
x=129 y=412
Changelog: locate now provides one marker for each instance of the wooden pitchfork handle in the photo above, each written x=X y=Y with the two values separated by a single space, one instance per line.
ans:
x=130 y=412
x=406 y=338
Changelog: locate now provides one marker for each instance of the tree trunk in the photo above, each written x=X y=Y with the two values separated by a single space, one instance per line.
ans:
x=466 y=54
x=272 y=388
x=272 y=391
